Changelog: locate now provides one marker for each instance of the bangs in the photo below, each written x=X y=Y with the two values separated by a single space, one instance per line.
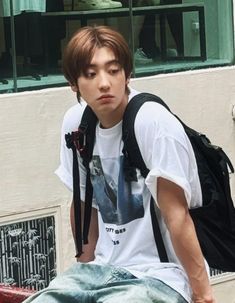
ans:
x=81 y=48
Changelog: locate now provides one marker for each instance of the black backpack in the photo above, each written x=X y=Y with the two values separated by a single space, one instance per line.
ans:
x=214 y=221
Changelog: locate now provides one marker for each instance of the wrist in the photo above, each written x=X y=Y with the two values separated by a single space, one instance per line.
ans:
x=209 y=298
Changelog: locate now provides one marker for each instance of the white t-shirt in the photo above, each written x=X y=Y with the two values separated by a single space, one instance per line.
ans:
x=125 y=229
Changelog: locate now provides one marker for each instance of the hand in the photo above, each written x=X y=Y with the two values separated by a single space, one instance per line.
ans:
x=208 y=299
x=205 y=301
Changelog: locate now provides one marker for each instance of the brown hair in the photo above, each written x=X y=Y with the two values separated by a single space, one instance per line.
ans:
x=81 y=48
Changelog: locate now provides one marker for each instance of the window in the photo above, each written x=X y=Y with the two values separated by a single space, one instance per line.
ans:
x=164 y=36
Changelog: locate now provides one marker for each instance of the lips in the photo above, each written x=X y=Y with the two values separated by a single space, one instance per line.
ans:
x=105 y=97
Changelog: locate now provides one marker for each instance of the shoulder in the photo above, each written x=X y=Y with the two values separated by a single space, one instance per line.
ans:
x=73 y=117
x=154 y=118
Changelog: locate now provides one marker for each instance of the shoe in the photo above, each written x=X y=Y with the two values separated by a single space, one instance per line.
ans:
x=83 y=5
x=146 y=2
x=171 y=52
x=141 y=58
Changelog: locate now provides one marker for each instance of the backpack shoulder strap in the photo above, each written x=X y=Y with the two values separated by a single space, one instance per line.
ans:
x=131 y=150
x=87 y=127
x=82 y=141
x=133 y=159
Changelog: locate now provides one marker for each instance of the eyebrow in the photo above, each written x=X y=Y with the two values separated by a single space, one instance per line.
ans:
x=106 y=63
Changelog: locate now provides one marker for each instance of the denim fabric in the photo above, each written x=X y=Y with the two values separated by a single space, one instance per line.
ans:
x=90 y=283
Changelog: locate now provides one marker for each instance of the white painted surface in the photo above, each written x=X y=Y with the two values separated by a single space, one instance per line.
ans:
x=30 y=137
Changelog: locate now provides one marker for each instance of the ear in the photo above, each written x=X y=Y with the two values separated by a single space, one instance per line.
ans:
x=74 y=87
x=128 y=80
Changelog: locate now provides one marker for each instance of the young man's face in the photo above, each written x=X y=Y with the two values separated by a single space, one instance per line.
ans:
x=103 y=86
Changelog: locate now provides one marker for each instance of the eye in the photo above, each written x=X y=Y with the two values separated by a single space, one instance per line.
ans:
x=90 y=74
x=114 y=70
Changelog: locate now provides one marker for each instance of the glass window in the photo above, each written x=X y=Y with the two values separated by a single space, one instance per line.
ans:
x=163 y=35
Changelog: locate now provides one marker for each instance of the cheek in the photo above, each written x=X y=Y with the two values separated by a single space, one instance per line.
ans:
x=81 y=86
x=86 y=90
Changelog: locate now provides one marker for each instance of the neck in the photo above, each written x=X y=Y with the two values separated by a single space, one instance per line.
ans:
x=110 y=119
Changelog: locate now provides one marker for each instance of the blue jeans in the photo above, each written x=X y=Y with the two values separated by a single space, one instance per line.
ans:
x=90 y=283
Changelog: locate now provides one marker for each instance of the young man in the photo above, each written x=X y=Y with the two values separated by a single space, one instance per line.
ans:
x=121 y=262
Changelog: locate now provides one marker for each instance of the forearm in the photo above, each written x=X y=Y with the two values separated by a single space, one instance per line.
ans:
x=88 y=249
x=182 y=233
x=174 y=209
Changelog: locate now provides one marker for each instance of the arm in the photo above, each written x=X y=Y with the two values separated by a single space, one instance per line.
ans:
x=174 y=209
x=88 y=254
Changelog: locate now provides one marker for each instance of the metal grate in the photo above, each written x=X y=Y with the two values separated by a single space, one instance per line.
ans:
x=215 y=272
x=28 y=253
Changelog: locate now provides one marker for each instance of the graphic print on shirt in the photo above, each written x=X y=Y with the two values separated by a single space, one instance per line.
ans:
x=117 y=204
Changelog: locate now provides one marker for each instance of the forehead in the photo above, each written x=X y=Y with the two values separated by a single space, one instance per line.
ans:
x=103 y=55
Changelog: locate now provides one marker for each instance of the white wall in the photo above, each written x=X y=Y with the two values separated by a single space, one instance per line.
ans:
x=30 y=134
x=30 y=137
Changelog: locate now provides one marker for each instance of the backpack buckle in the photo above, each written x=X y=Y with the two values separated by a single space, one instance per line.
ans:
x=79 y=139
x=76 y=139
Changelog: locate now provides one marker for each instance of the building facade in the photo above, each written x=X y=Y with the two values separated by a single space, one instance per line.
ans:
x=36 y=240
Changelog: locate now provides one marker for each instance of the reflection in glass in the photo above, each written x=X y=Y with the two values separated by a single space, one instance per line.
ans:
x=164 y=36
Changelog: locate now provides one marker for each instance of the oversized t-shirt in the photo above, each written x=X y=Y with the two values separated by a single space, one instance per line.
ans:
x=125 y=229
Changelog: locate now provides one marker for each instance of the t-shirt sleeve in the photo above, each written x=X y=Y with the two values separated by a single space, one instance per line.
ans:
x=165 y=148
x=172 y=164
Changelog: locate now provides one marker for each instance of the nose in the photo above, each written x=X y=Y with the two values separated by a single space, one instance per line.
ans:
x=104 y=81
